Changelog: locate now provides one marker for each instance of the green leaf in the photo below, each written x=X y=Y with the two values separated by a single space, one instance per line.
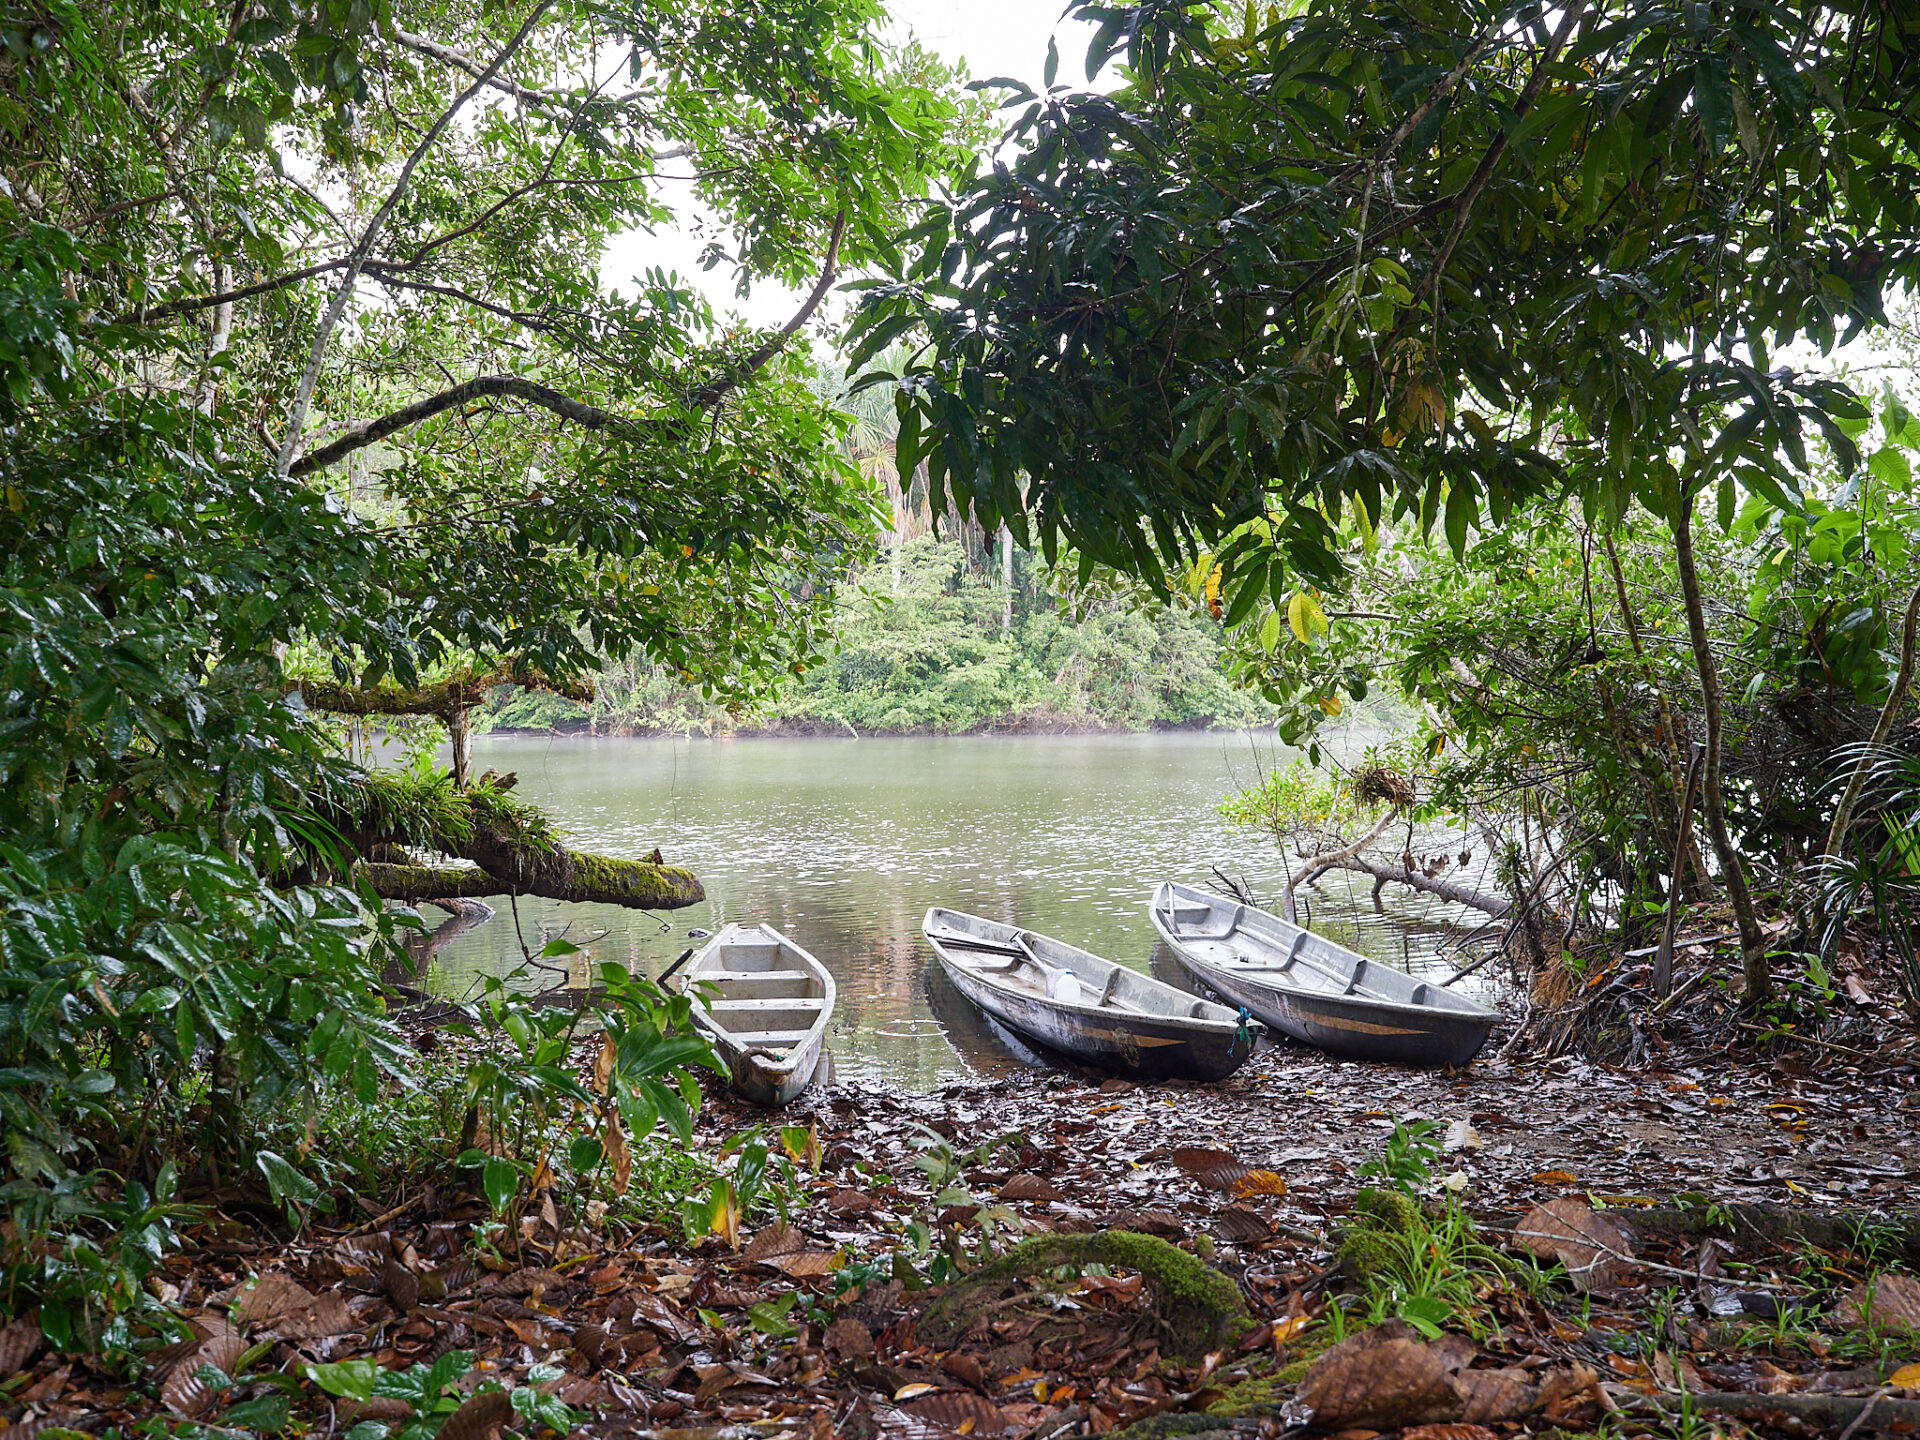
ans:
x=1459 y=515
x=585 y=1153
x=769 y=1317
x=285 y=1182
x=500 y=1178
x=1713 y=99
x=344 y=1379
x=269 y=1414
x=1892 y=468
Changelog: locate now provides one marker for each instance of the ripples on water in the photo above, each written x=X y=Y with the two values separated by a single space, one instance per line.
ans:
x=844 y=844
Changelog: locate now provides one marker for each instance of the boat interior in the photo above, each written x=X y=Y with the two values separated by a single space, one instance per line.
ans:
x=1220 y=936
x=1018 y=963
x=764 y=1000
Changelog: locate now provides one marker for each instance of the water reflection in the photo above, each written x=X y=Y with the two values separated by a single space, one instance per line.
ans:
x=844 y=844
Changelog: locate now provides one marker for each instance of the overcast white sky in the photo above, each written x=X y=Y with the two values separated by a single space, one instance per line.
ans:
x=991 y=37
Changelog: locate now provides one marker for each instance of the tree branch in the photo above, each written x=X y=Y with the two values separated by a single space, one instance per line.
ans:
x=567 y=875
x=303 y=396
x=460 y=692
x=483 y=387
x=718 y=388
x=1458 y=894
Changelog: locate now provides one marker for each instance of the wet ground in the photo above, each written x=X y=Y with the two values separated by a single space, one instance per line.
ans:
x=1778 y=1133
x=802 y=1328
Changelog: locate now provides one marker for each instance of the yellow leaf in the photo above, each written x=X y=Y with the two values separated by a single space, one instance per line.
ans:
x=1285 y=1330
x=1556 y=1177
x=1907 y=1377
x=1330 y=704
x=1260 y=1182
x=1297 y=616
x=1316 y=618
x=907 y=1392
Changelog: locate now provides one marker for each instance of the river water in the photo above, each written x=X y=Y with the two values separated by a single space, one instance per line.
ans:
x=844 y=843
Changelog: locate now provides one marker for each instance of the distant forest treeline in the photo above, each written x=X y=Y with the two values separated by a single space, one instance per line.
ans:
x=929 y=639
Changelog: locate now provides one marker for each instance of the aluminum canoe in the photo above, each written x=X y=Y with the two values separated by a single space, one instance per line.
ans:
x=1320 y=993
x=1073 y=1003
x=764 y=1003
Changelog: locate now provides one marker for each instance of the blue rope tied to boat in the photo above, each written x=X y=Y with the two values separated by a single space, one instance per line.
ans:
x=1243 y=1033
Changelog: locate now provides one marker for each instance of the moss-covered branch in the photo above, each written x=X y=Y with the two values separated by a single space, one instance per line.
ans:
x=510 y=842
x=596 y=879
x=443 y=698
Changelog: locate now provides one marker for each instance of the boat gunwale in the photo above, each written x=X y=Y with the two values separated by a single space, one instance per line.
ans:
x=1467 y=1011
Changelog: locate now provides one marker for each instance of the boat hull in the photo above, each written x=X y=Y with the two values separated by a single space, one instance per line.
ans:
x=1132 y=1043
x=1400 y=1031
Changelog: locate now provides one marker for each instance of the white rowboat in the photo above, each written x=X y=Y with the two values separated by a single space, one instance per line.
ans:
x=764 y=1003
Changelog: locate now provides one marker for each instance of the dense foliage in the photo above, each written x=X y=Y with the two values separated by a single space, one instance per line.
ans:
x=307 y=372
x=1418 y=264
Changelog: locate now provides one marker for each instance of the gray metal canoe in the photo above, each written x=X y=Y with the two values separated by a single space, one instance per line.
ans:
x=1306 y=986
x=1088 y=1009
x=764 y=1003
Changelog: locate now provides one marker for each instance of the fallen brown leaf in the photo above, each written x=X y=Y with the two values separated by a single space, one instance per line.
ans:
x=1242 y=1225
x=1386 y=1377
x=1888 y=1302
x=805 y=1264
x=323 y=1315
x=1596 y=1247
x=478 y=1417
x=270 y=1296
x=1447 y=1432
x=847 y=1336
x=955 y=1409
x=19 y=1343
x=1028 y=1187
x=183 y=1391
x=775 y=1239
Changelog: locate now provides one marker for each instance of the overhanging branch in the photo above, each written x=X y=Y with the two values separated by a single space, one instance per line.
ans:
x=484 y=387
x=441 y=699
x=567 y=875
x=590 y=417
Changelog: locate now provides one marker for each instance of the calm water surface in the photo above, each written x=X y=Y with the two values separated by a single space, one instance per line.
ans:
x=844 y=844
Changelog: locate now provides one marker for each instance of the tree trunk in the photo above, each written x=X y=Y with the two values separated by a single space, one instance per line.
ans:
x=460 y=736
x=1883 y=727
x=1753 y=944
x=1006 y=578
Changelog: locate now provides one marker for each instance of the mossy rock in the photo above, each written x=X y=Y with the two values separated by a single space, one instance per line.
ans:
x=1201 y=1308
x=1383 y=1223
x=1249 y=1397
x=1185 y=1427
